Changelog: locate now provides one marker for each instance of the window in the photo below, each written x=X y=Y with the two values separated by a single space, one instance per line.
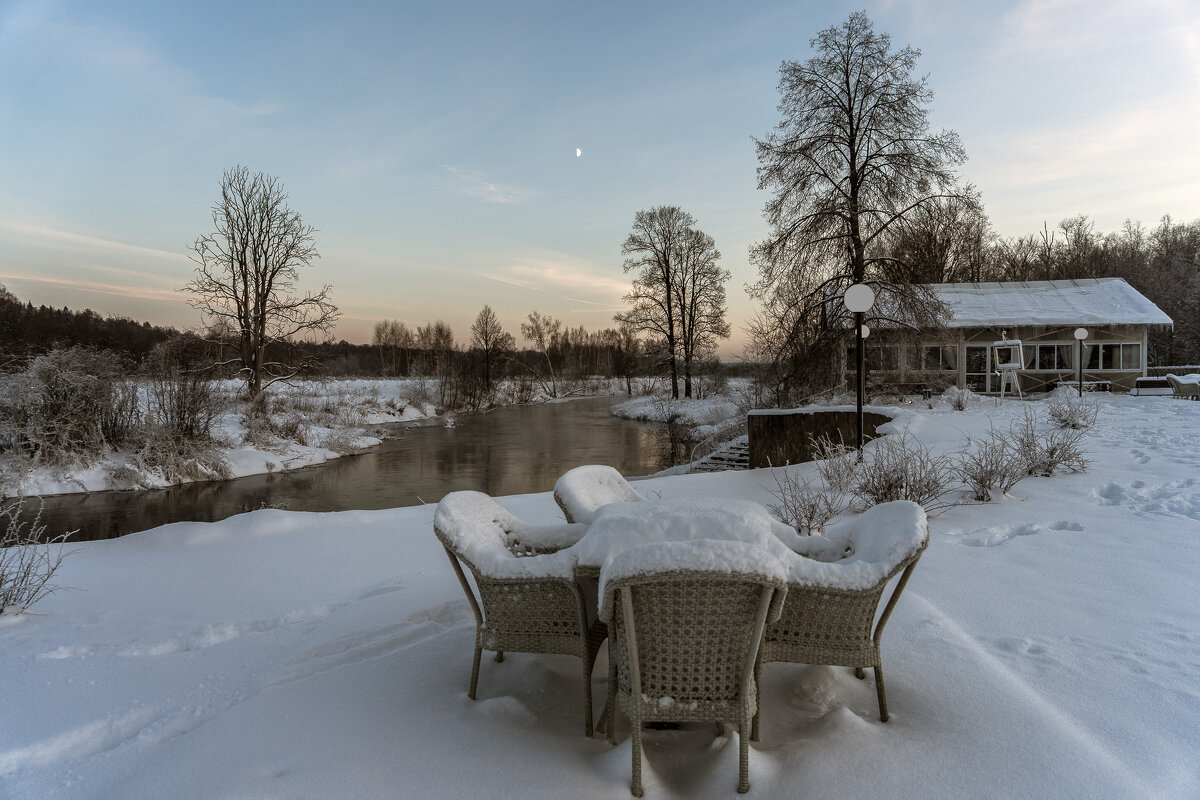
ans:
x=1045 y=356
x=941 y=356
x=1131 y=356
x=1110 y=356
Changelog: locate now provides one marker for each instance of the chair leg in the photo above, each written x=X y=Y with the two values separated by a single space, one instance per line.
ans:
x=858 y=673
x=499 y=656
x=587 y=698
x=758 y=670
x=883 y=712
x=636 y=787
x=743 y=757
x=610 y=705
x=475 y=672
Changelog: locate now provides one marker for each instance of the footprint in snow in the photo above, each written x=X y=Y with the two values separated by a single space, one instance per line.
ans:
x=993 y=537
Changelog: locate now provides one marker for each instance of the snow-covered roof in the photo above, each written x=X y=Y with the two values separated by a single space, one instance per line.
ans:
x=1091 y=301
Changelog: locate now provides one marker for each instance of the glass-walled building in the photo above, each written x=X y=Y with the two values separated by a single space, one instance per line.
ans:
x=1044 y=316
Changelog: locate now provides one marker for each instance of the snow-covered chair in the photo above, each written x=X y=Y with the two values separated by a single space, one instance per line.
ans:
x=580 y=492
x=835 y=590
x=1186 y=387
x=686 y=622
x=528 y=599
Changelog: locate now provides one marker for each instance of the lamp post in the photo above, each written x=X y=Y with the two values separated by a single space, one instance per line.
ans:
x=1080 y=335
x=858 y=299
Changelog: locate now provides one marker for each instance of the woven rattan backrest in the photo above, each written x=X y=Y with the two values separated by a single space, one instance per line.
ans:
x=694 y=632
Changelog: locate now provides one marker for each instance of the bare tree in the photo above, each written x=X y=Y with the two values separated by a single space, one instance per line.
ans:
x=394 y=340
x=699 y=289
x=492 y=341
x=543 y=332
x=247 y=273
x=852 y=157
x=653 y=248
x=678 y=295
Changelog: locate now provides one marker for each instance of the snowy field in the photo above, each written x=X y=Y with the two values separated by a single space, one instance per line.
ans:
x=1048 y=645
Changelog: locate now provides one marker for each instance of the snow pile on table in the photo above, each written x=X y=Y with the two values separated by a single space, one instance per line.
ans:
x=1047 y=645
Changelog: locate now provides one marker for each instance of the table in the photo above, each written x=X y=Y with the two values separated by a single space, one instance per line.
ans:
x=619 y=526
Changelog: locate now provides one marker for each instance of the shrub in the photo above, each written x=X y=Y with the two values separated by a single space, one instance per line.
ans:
x=1047 y=451
x=900 y=467
x=27 y=564
x=837 y=464
x=992 y=463
x=958 y=398
x=1069 y=412
x=805 y=507
x=68 y=405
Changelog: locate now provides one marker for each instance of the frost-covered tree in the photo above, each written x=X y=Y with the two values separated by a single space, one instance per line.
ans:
x=246 y=276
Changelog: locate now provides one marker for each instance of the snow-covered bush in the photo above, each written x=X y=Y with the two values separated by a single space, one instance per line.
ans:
x=803 y=505
x=901 y=467
x=993 y=463
x=1046 y=451
x=957 y=398
x=67 y=406
x=1072 y=412
x=837 y=464
x=27 y=564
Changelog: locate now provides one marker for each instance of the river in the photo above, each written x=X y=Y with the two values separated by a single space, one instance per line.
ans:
x=512 y=450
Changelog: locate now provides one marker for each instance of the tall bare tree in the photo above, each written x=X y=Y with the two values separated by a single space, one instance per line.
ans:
x=247 y=272
x=492 y=341
x=699 y=289
x=852 y=156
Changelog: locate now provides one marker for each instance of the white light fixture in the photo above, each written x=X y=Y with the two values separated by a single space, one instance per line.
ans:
x=859 y=298
x=866 y=331
x=1081 y=333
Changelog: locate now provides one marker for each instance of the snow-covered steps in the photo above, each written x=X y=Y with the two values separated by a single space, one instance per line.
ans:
x=734 y=455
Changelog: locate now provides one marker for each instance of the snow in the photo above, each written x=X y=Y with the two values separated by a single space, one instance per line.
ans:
x=487 y=535
x=1047 y=645
x=1090 y=301
x=583 y=490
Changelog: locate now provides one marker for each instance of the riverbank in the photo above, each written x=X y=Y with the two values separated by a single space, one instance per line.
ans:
x=304 y=424
x=1046 y=646
x=300 y=425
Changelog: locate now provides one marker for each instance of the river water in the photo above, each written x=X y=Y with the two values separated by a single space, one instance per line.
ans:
x=511 y=450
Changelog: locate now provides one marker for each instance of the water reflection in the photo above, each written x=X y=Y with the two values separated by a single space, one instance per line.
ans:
x=509 y=451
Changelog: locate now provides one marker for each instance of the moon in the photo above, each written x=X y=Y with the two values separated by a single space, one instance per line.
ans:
x=578 y=152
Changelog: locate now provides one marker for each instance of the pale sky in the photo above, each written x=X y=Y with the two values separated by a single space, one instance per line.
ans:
x=433 y=144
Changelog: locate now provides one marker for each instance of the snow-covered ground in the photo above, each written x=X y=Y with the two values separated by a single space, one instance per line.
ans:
x=1048 y=645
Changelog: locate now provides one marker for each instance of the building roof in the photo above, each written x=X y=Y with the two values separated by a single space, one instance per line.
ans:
x=1090 y=301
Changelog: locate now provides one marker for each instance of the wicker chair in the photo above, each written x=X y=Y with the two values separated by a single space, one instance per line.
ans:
x=684 y=641
x=833 y=596
x=580 y=492
x=1183 y=389
x=528 y=599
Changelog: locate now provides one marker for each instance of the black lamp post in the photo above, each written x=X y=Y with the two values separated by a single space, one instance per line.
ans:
x=858 y=299
x=1080 y=335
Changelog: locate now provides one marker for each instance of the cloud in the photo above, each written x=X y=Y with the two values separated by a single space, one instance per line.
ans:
x=474 y=184
x=109 y=289
x=563 y=273
x=54 y=236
